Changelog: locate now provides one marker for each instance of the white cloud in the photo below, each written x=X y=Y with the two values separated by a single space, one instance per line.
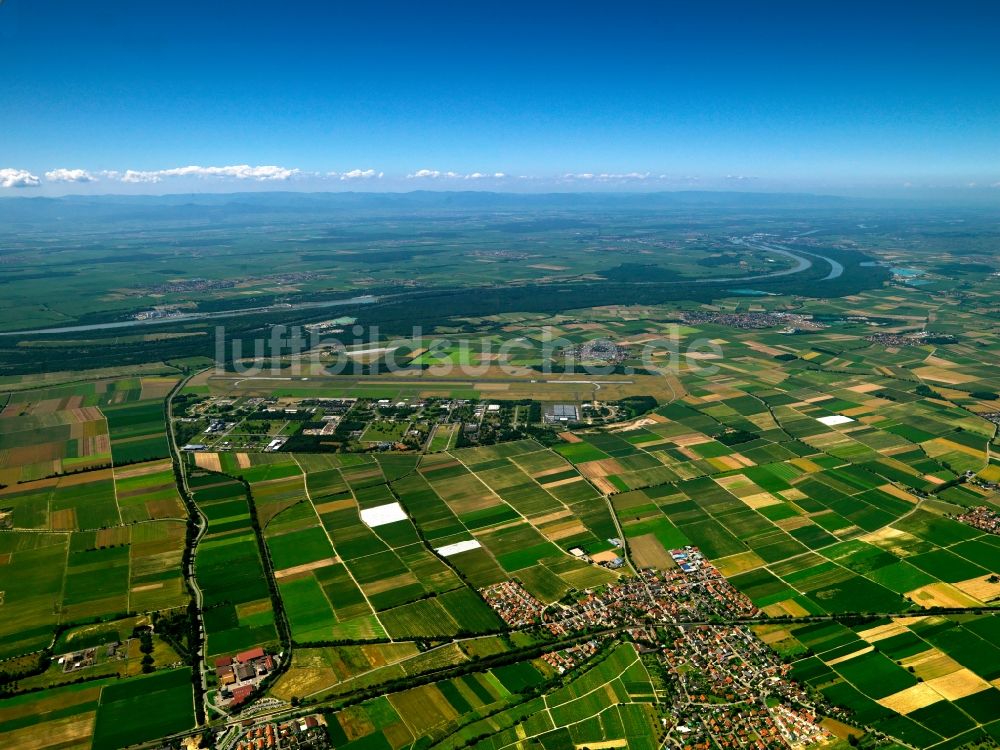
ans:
x=239 y=171
x=435 y=174
x=18 y=178
x=264 y=173
x=132 y=175
x=422 y=174
x=273 y=173
x=606 y=176
x=70 y=175
x=357 y=174
x=626 y=177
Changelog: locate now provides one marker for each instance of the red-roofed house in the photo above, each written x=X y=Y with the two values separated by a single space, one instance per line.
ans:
x=254 y=653
x=240 y=694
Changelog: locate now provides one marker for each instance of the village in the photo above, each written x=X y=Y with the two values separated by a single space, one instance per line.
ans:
x=983 y=518
x=908 y=339
x=692 y=592
x=730 y=689
x=734 y=690
x=750 y=321
x=303 y=733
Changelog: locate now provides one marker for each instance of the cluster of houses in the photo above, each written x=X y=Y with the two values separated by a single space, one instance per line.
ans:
x=306 y=733
x=567 y=658
x=718 y=595
x=240 y=675
x=983 y=518
x=599 y=350
x=799 y=727
x=513 y=604
x=693 y=591
x=750 y=321
x=734 y=690
x=725 y=672
x=908 y=339
x=729 y=662
x=748 y=726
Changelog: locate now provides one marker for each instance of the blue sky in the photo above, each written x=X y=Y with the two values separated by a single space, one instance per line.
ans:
x=842 y=97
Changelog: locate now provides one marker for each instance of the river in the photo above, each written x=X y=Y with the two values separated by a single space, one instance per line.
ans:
x=186 y=317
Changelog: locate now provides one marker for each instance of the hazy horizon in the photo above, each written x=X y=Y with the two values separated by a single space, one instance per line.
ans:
x=566 y=197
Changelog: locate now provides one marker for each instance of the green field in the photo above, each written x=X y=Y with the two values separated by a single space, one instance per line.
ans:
x=144 y=709
x=364 y=565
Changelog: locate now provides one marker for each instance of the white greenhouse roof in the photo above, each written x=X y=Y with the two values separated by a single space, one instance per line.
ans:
x=834 y=419
x=383 y=514
x=454 y=549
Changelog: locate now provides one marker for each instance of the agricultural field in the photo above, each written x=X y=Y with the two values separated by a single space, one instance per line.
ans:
x=64 y=578
x=143 y=709
x=93 y=540
x=79 y=427
x=804 y=517
x=51 y=434
x=609 y=702
x=924 y=679
x=754 y=522
x=236 y=603
x=55 y=718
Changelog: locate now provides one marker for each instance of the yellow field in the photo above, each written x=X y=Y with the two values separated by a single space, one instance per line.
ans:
x=909 y=700
x=941 y=595
x=738 y=563
x=958 y=684
x=208 y=461
x=422 y=709
x=647 y=552
x=68 y=733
